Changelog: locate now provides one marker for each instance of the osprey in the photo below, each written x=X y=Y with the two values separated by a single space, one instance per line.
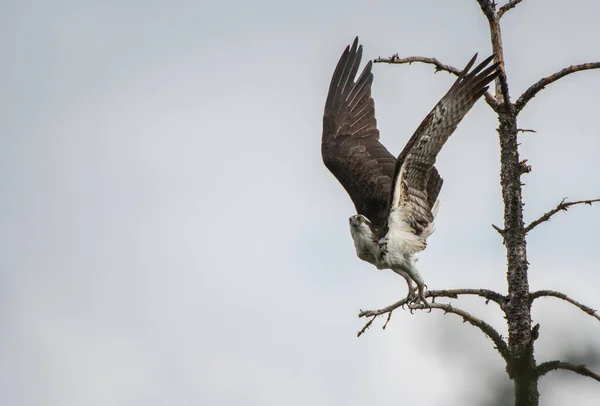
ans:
x=395 y=198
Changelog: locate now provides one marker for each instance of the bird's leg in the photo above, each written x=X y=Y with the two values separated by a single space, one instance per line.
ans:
x=413 y=272
x=411 y=297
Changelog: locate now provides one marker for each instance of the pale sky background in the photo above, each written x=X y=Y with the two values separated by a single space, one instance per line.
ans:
x=170 y=235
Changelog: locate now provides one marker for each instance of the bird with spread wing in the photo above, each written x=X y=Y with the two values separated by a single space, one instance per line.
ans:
x=395 y=198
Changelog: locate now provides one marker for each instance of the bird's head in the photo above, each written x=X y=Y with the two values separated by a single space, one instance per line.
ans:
x=359 y=221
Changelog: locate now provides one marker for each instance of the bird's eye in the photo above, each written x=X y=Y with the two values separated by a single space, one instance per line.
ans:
x=361 y=219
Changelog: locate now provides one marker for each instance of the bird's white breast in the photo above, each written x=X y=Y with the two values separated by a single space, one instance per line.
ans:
x=400 y=243
x=366 y=249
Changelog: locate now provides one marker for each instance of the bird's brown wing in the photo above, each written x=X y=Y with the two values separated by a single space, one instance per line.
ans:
x=414 y=168
x=350 y=145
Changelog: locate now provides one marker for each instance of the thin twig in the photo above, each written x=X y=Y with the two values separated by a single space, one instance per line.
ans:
x=562 y=206
x=500 y=231
x=366 y=326
x=559 y=295
x=396 y=60
x=523 y=130
x=507 y=6
x=388 y=319
x=488 y=330
x=523 y=167
x=542 y=83
x=546 y=367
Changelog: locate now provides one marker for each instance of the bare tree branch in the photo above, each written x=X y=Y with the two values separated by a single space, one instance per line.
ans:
x=488 y=330
x=542 y=83
x=488 y=8
x=487 y=294
x=502 y=94
x=562 y=206
x=388 y=309
x=546 y=367
x=507 y=6
x=559 y=295
x=395 y=59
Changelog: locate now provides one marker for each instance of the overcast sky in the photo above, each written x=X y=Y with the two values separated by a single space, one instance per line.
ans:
x=170 y=235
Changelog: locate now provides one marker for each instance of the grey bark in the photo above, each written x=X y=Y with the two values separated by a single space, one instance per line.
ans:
x=518 y=310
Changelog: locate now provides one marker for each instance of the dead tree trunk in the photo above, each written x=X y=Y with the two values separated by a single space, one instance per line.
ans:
x=517 y=306
x=521 y=367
